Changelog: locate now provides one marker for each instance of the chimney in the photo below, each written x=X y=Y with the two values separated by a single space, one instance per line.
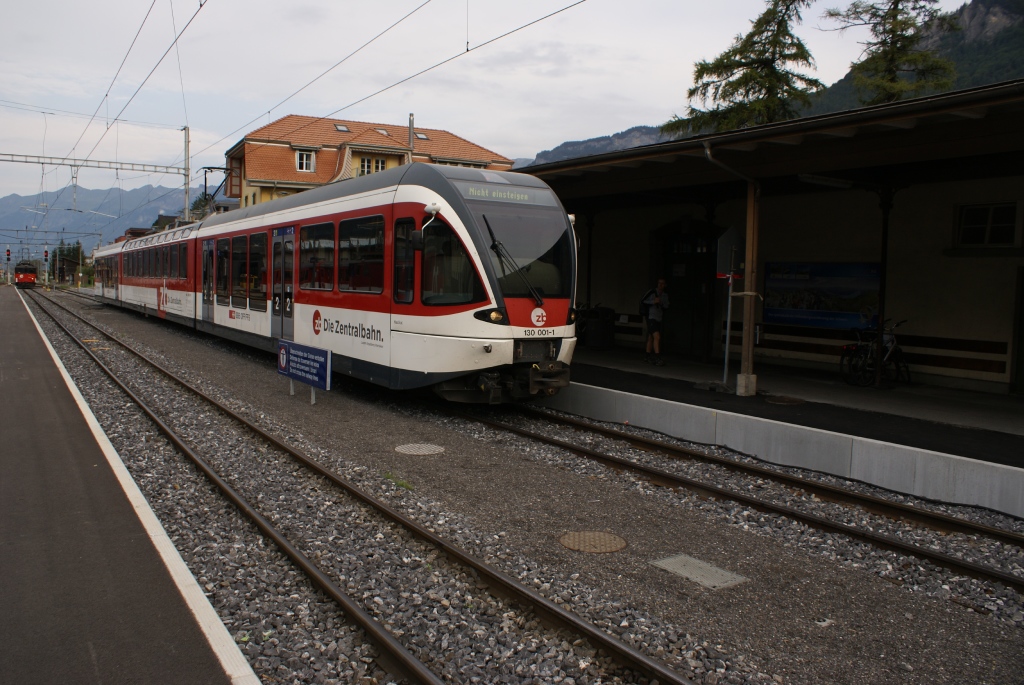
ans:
x=412 y=135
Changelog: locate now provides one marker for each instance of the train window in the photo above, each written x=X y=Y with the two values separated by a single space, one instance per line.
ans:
x=174 y=262
x=165 y=262
x=405 y=261
x=223 y=271
x=361 y=254
x=258 y=272
x=239 y=272
x=316 y=257
x=183 y=261
x=149 y=263
x=448 y=274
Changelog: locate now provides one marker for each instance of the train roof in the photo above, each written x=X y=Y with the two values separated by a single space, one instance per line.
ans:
x=434 y=176
x=150 y=240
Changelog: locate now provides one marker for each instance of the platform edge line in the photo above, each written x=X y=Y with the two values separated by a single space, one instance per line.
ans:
x=236 y=667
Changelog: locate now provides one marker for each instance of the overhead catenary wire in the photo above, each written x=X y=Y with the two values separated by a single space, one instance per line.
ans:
x=112 y=81
x=150 y=74
x=320 y=76
x=354 y=103
x=177 y=52
x=417 y=74
x=39 y=109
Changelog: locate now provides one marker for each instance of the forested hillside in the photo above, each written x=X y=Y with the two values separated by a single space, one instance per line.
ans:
x=988 y=48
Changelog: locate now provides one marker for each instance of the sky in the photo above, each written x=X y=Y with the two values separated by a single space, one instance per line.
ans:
x=81 y=80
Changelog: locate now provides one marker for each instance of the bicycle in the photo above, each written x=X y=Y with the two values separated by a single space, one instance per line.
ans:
x=857 y=362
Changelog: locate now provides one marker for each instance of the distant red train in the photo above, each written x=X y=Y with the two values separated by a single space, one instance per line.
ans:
x=25 y=274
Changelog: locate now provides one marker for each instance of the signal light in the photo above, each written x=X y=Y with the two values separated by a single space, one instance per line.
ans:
x=46 y=254
x=8 y=254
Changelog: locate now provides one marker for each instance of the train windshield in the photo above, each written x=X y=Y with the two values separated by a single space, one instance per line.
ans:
x=528 y=236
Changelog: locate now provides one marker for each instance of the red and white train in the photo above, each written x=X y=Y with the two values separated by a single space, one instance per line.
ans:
x=453 y=278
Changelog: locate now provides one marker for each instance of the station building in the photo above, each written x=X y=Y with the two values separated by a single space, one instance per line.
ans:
x=296 y=153
x=914 y=208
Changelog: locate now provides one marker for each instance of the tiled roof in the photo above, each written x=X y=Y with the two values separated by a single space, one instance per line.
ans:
x=277 y=162
x=296 y=129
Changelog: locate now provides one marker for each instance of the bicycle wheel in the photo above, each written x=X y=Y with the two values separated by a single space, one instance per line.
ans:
x=864 y=367
x=846 y=367
x=902 y=369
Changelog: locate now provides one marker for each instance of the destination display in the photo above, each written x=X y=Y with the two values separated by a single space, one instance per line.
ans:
x=497 y=192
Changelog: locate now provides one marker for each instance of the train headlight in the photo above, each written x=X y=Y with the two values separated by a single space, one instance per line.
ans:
x=572 y=317
x=498 y=316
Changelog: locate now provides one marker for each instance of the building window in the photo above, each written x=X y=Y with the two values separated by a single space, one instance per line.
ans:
x=422 y=136
x=380 y=164
x=341 y=127
x=992 y=225
x=365 y=166
x=383 y=131
x=304 y=160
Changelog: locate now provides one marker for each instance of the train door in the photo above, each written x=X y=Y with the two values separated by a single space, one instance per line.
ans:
x=282 y=291
x=208 y=248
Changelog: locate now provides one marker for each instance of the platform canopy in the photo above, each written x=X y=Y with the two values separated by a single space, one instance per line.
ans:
x=968 y=134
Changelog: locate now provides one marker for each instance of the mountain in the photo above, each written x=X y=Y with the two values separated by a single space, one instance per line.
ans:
x=79 y=215
x=634 y=137
x=988 y=48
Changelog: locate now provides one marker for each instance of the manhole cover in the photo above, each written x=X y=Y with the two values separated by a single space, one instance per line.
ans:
x=592 y=541
x=419 y=449
x=781 y=399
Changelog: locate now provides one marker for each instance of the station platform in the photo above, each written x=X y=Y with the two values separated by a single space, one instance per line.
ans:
x=947 y=445
x=92 y=588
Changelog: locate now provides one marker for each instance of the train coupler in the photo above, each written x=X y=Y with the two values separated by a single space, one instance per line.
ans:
x=547 y=377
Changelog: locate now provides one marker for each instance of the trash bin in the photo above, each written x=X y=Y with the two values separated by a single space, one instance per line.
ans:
x=600 y=333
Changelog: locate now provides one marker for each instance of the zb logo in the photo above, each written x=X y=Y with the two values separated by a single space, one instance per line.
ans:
x=317 y=322
x=539 y=317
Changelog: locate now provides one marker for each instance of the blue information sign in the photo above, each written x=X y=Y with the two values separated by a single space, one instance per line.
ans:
x=309 y=365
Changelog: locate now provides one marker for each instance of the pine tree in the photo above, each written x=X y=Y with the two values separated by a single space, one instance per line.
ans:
x=201 y=206
x=894 y=65
x=751 y=82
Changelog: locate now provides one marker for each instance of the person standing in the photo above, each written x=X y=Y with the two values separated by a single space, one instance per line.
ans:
x=656 y=302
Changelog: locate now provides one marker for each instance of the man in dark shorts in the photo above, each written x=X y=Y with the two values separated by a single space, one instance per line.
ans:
x=657 y=302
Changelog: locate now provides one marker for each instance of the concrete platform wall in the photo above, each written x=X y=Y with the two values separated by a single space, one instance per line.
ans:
x=937 y=476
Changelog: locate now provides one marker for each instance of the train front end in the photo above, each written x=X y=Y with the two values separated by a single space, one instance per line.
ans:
x=523 y=248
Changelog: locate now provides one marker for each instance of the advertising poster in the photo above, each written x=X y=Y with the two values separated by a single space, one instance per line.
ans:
x=821 y=295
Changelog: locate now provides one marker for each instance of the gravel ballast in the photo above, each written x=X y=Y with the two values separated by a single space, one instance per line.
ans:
x=815 y=608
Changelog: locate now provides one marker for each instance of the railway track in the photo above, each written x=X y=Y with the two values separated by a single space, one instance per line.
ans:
x=518 y=603
x=665 y=472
